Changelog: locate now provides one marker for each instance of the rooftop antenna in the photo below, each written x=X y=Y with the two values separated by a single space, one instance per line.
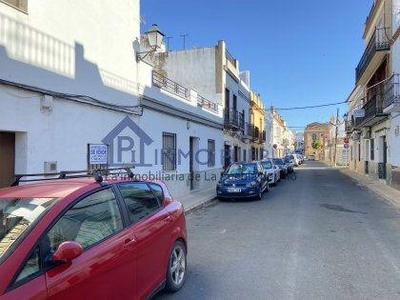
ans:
x=184 y=40
x=168 y=38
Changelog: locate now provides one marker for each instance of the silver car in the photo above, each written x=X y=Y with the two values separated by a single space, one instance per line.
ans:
x=272 y=171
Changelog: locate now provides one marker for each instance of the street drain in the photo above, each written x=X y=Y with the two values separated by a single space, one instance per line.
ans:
x=341 y=208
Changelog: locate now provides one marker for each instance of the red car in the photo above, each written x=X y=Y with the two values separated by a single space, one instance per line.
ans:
x=81 y=238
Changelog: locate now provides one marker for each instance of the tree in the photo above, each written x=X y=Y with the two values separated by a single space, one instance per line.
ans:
x=316 y=144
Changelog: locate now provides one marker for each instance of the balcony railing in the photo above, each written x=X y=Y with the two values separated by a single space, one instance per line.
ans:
x=230 y=58
x=378 y=42
x=175 y=88
x=263 y=136
x=392 y=91
x=241 y=120
x=254 y=133
x=170 y=85
x=207 y=104
x=373 y=107
x=231 y=118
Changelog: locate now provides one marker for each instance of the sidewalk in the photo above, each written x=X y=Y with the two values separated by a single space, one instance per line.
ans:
x=391 y=195
x=198 y=199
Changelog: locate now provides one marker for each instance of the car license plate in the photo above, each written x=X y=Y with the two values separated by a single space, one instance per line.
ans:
x=234 y=190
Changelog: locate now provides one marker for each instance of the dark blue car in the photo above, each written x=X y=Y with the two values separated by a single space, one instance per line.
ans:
x=242 y=180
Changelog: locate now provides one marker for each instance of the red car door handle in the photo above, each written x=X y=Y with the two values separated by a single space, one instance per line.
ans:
x=168 y=220
x=129 y=243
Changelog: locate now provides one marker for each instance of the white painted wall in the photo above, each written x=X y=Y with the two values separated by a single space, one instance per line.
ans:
x=194 y=68
x=72 y=46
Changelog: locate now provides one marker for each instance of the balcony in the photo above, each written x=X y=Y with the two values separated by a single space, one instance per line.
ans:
x=207 y=104
x=373 y=108
x=169 y=85
x=262 y=137
x=373 y=55
x=231 y=119
x=391 y=101
x=254 y=133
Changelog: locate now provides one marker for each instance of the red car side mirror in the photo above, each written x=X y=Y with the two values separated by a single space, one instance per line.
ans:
x=67 y=251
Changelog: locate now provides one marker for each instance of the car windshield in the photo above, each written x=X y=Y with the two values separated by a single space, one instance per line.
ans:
x=267 y=164
x=278 y=161
x=239 y=169
x=17 y=216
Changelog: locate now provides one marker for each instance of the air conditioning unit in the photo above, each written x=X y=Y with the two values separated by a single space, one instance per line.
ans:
x=50 y=167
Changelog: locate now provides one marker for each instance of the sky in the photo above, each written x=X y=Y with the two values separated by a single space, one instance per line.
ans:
x=299 y=53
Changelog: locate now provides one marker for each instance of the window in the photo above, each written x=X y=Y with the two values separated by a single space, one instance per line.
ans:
x=211 y=153
x=158 y=192
x=314 y=137
x=139 y=200
x=372 y=156
x=88 y=222
x=31 y=267
x=169 y=151
x=227 y=99
x=244 y=155
x=234 y=102
x=20 y=4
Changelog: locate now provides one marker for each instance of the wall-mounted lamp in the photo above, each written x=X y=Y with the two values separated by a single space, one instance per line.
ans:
x=155 y=38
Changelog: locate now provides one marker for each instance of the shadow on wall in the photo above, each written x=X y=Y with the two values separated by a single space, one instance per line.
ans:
x=31 y=57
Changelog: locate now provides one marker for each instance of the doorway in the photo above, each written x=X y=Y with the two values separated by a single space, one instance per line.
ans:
x=7 y=158
x=193 y=165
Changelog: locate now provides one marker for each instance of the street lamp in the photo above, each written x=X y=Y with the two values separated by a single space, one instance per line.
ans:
x=155 y=38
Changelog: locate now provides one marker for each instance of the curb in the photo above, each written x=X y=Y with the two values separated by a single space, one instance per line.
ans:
x=201 y=204
x=386 y=198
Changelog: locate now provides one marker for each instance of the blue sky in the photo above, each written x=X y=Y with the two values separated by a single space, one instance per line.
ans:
x=299 y=53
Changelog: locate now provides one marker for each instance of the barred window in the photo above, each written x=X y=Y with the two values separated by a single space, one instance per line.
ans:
x=20 y=4
x=211 y=153
x=169 y=151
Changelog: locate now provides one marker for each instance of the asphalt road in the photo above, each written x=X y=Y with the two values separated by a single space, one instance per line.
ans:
x=321 y=236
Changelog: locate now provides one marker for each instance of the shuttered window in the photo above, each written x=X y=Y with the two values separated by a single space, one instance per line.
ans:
x=20 y=4
x=169 y=151
x=211 y=153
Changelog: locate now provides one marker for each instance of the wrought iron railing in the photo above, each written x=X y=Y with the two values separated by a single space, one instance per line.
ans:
x=392 y=90
x=230 y=58
x=231 y=117
x=241 y=120
x=170 y=85
x=374 y=104
x=378 y=42
x=207 y=104
x=263 y=135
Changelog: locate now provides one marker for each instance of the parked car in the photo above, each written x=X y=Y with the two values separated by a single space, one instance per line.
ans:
x=311 y=157
x=282 y=166
x=294 y=158
x=272 y=171
x=79 y=238
x=242 y=180
x=289 y=164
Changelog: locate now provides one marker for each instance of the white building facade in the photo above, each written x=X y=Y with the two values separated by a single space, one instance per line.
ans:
x=374 y=104
x=71 y=80
x=214 y=73
x=281 y=137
